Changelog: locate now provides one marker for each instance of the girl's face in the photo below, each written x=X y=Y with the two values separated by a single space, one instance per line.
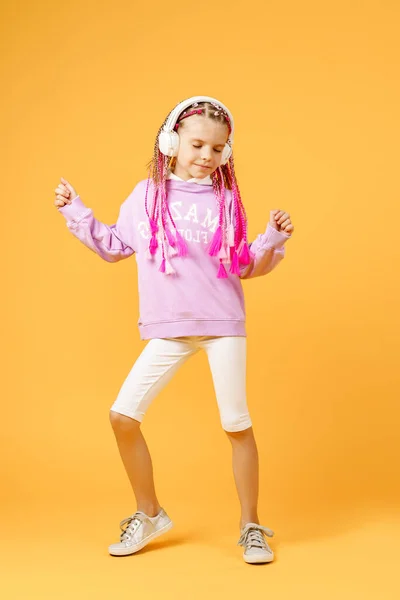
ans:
x=201 y=142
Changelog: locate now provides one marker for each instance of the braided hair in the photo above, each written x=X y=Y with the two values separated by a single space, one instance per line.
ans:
x=229 y=242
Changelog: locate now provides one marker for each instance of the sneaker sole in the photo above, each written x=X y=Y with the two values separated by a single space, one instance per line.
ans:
x=257 y=559
x=142 y=544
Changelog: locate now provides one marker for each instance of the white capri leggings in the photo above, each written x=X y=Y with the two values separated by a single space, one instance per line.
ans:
x=162 y=357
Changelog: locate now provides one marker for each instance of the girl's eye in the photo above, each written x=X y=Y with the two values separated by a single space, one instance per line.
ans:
x=219 y=151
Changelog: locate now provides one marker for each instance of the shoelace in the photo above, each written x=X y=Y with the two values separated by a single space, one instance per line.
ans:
x=253 y=536
x=132 y=523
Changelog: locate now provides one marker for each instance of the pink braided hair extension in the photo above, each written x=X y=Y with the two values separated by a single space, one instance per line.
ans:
x=218 y=245
x=153 y=244
x=240 y=253
x=159 y=209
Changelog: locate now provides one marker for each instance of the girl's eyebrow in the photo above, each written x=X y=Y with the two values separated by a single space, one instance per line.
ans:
x=197 y=140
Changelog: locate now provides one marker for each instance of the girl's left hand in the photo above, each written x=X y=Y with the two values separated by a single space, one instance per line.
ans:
x=280 y=220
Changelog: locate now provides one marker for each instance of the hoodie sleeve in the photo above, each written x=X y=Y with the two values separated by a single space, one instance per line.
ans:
x=268 y=250
x=111 y=242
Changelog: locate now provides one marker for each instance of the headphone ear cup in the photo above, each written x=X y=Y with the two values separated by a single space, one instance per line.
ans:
x=168 y=143
x=226 y=153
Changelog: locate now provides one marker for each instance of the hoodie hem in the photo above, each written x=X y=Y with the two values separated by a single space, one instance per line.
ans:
x=217 y=328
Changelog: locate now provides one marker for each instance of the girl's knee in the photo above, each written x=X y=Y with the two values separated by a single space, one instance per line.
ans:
x=122 y=423
x=239 y=433
x=238 y=426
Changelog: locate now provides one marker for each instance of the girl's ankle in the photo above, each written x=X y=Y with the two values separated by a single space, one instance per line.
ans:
x=243 y=523
x=150 y=511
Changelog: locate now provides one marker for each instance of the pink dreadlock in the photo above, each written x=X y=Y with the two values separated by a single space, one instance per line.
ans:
x=229 y=242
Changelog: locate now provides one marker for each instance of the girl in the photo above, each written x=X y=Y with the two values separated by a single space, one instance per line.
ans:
x=187 y=226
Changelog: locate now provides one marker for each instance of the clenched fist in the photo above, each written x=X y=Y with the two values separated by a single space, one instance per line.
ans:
x=280 y=220
x=65 y=193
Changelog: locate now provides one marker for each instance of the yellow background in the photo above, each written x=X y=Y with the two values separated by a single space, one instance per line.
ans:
x=314 y=91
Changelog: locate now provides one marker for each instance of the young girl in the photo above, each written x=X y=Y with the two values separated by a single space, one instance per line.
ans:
x=187 y=226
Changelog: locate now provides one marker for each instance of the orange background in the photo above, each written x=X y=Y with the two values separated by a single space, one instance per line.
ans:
x=314 y=91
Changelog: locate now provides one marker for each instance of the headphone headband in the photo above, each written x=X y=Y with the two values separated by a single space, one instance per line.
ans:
x=174 y=114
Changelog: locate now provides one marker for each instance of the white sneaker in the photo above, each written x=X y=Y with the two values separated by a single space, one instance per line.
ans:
x=139 y=530
x=256 y=548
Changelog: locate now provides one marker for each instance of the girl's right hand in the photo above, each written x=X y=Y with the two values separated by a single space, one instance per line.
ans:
x=65 y=193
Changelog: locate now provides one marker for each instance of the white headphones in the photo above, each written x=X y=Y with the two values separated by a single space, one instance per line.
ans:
x=168 y=140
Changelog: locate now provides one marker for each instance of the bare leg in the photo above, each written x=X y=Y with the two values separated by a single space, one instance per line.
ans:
x=137 y=461
x=245 y=470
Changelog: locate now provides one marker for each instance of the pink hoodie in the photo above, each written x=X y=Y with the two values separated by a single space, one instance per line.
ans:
x=192 y=302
